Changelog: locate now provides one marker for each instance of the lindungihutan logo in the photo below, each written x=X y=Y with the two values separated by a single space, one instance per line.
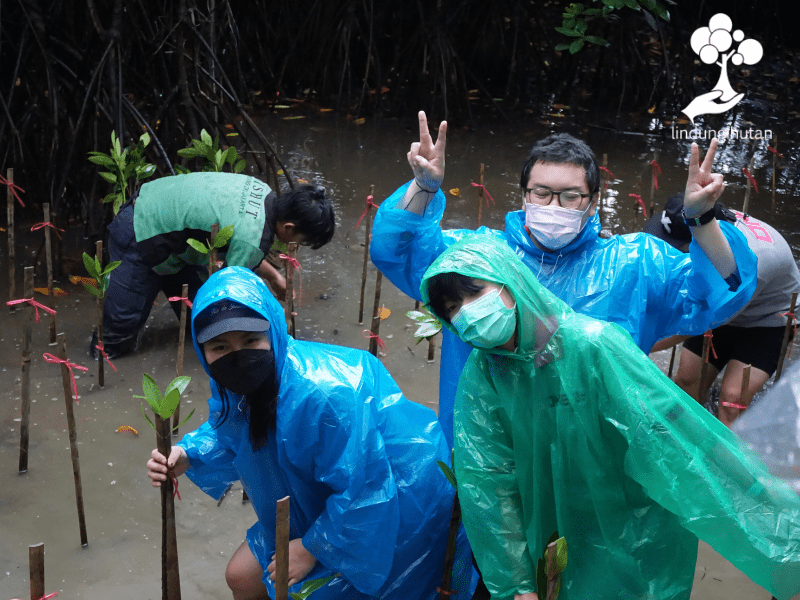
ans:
x=719 y=44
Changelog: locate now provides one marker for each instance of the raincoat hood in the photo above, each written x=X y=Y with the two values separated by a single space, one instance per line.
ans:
x=538 y=311
x=245 y=287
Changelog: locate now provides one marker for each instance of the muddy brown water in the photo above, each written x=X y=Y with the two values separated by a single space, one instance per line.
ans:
x=122 y=559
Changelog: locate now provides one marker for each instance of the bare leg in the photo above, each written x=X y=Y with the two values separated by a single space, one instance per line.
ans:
x=243 y=575
x=731 y=390
x=688 y=376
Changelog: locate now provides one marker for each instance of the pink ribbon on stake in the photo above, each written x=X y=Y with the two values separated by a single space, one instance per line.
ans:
x=54 y=359
x=746 y=171
x=53 y=595
x=610 y=175
x=376 y=337
x=483 y=187
x=47 y=224
x=774 y=151
x=103 y=353
x=175 y=485
x=14 y=187
x=656 y=173
x=641 y=203
x=36 y=305
x=370 y=204
x=711 y=350
x=734 y=405
x=296 y=264
x=186 y=301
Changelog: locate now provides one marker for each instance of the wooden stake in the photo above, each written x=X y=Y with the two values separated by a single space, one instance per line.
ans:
x=790 y=320
x=25 y=389
x=480 y=197
x=747 y=191
x=376 y=317
x=431 y=347
x=367 y=235
x=36 y=566
x=604 y=181
x=703 y=370
x=774 y=168
x=176 y=416
x=170 y=576
x=445 y=592
x=653 y=183
x=49 y=257
x=282 y=512
x=101 y=378
x=212 y=254
x=73 y=437
x=672 y=360
x=245 y=497
x=639 y=188
x=745 y=385
x=12 y=273
x=291 y=249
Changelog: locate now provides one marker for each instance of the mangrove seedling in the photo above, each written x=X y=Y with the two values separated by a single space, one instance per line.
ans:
x=123 y=166
x=219 y=241
x=429 y=325
x=550 y=567
x=311 y=586
x=163 y=406
x=101 y=276
x=215 y=158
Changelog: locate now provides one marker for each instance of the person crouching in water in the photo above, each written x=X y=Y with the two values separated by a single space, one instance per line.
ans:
x=563 y=424
x=327 y=426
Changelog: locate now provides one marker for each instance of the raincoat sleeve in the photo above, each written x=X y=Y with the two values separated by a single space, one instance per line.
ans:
x=488 y=488
x=211 y=462
x=404 y=244
x=689 y=296
x=692 y=465
x=356 y=534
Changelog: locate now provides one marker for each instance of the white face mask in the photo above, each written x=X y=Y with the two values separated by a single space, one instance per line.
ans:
x=553 y=226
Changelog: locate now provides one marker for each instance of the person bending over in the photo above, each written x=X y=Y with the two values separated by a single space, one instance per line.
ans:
x=328 y=427
x=150 y=234
x=563 y=424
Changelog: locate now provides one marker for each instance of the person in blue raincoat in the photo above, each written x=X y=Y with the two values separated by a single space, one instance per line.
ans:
x=643 y=284
x=327 y=426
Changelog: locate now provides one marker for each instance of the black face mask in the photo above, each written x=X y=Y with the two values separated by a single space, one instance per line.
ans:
x=244 y=371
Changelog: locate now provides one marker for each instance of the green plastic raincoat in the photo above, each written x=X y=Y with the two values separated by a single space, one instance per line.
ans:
x=579 y=432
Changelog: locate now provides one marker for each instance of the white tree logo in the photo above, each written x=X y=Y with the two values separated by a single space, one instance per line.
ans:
x=717 y=44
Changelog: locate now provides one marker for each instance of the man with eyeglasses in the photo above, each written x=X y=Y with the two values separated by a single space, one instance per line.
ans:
x=639 y=282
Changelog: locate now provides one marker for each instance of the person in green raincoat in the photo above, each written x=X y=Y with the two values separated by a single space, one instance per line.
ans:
x=563 y=424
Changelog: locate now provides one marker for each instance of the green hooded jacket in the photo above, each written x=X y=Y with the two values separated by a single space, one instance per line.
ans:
x=577 y=431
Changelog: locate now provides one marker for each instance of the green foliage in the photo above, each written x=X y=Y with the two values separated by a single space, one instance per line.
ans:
x=429 y=325
x=92 y=266
x=576 y=19
x=560 y=565
x=215 y=158
x=311 y=586
x=222 y=238
x=448 y=472
x=163 y=405
x=123 y=165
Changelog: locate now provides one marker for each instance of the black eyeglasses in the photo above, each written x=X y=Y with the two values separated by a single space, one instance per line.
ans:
x=543 y=195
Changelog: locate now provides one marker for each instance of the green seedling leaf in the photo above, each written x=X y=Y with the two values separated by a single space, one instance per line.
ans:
x=93 y=290
x=427 y=330
x=184 y=421
x=92 y=265
x=169 y=403
x=200 y=247
x=562 y=47
x=240 y=166
x=118 y=202
x=179 y=170
x=561 y=554
x=596 y=40
x=223 y=236
x=311 y=586
x=179 y=383
x=190 y=153
x=575 y=46
x=145 y=171
x=109 y=177
x=144 y=414
x=569 y=32
x=206 y=138
x=448 y=472
x=144 y=138
x=99 y=158
x=151 y=393
x=111 y=266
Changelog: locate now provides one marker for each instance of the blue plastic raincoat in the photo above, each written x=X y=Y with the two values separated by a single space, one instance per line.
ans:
x=645 y=285
x=579 y=432
x=357 y=459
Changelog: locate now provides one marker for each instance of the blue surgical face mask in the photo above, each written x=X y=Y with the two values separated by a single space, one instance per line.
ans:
x=487 y=322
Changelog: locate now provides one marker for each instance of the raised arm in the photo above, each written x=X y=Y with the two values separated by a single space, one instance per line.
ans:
x=427 y=162
x=703 y=189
